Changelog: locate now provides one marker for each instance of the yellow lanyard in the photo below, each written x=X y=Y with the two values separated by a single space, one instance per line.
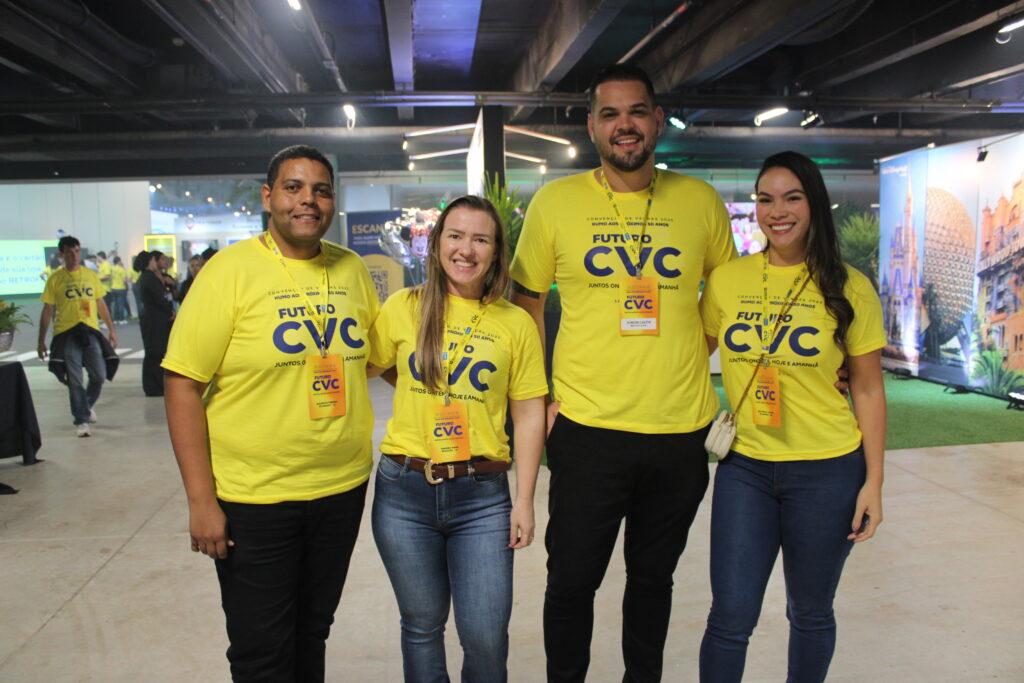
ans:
x=451 y=360
x=319 y=316
x=633 y=243
x=766 y=336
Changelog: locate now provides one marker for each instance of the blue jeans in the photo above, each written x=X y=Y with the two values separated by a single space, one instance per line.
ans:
x=84 y=351
x=803 y=507
x=447 y=544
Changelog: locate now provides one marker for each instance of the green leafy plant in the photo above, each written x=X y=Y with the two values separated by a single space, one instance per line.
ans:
x=509 y=207
x=996 y=379
x=11 y=316
x=859 y=235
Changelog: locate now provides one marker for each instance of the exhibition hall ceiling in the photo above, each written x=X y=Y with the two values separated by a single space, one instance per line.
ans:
x=160 y=88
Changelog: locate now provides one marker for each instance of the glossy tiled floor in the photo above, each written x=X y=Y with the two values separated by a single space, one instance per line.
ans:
x=97 y=582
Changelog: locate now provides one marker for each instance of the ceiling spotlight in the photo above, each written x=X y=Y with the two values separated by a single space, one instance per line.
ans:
x=677 y=122
x=159 y=186
x=982 y=154
x=1013 y=25
x=412 y=165
x=753 y=197
x=543 y=169
x=405 y=145
x=187 y=193
x=811 y=119
x=931 y=145
x=571 y=152
x=835 y=206
x=661 y=165
x=237 y=214
x=350 y=114
x=152 y=188
x=227 y=203
x=294 y=4
x=209 y=200
x=769 y=114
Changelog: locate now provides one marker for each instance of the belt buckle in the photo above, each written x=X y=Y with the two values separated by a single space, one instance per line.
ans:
x=428 y=472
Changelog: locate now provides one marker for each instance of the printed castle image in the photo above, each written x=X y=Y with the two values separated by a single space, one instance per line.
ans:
x=901 y=292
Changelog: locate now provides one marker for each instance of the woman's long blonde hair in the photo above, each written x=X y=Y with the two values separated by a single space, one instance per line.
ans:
x=432 y=295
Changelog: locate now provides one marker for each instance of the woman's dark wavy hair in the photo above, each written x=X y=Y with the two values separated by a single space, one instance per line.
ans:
x=823 y=256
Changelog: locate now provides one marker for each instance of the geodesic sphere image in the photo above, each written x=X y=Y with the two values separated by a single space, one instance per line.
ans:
x=948 y=261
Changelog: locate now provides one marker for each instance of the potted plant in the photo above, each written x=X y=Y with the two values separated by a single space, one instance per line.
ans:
x=11 y=316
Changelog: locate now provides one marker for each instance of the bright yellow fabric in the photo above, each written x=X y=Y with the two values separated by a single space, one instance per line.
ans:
x=244 y=329
x=117 y=276
x=105 y=268
x=506 y=362
x=649 y=384
x=66 y=290
x=133 y=275
x=817 y=422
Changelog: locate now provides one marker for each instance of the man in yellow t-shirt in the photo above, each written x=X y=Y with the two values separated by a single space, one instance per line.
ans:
x=119 y=290
x=271 y=421
x=628 y=246
x=75 y=292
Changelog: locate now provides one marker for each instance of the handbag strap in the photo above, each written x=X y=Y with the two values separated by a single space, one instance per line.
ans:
x=778 y=321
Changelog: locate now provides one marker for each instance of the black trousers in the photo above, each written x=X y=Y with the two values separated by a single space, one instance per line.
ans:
x=598 y=478
x=282 y=581
x=156 y=330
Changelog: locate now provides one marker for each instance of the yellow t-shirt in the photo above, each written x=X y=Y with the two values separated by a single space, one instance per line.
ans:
x=817 y=422
x=105 y=269
x=244 y=329
x=503 y=362
x=649 y=384
x=74 y=296
x=133 y=275
x=117 y=276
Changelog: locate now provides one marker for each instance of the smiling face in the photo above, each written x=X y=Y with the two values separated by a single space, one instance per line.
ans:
x=467 y=250
x=784 y=214
x=301 y=206
x=625 y=124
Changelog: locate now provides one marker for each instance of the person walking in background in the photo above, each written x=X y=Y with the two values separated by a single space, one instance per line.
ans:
x=805 y=471
x=444 y=522
x=155 y=321
x=76 y=294
x=119 y=290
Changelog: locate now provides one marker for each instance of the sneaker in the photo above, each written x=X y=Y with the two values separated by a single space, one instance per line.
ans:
x=83 y=430
x=92 y=417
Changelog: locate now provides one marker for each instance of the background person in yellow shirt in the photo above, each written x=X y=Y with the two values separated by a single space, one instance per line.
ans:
x=805 y=471
x=76 y=294
x=119 y=290
x=443 y=519
x=271 y=422
x=632 y=409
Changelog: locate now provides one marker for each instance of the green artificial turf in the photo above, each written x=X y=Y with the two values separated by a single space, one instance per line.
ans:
x=922 y=414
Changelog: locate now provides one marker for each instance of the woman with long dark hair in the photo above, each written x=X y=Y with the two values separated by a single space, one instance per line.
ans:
x=443 y=519
x=805 y=471
x=155 y=317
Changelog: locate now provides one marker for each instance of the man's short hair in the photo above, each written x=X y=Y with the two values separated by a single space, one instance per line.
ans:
x=101 y=254
x=619 y=72
x=296 y=152
x=67 y=242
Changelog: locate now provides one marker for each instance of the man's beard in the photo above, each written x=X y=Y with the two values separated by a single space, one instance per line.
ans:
x=624 y=163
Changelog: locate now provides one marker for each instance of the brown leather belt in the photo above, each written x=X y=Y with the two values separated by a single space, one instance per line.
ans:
x=438 y=472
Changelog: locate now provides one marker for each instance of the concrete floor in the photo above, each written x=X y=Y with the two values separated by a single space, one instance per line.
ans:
x=98 y=583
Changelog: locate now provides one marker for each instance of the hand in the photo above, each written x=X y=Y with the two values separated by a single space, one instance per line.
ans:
x=869 y=504
x=552 y=411
x=842 y=384
x=521 y=525
x=41 y=350
x=208 y=528
x=112 y=337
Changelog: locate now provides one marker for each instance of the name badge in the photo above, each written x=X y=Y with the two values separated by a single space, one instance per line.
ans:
x=325 y=380
x=638 y=307
x=767 y=400
x=448 y=435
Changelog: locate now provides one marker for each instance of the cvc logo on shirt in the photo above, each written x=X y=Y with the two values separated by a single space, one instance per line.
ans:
x=599 y=263
x=475 y=370
x=75 y=292
x=288 y=336
x=793 y=335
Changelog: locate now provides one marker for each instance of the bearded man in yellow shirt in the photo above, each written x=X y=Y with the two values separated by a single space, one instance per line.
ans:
x=628 y=246
x=271 y=423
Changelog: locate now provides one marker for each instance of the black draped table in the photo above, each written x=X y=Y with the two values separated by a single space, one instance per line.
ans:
x=19 y=429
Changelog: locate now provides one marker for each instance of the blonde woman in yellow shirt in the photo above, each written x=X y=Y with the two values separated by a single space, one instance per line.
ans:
x=443 y=519
x=804 y=475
